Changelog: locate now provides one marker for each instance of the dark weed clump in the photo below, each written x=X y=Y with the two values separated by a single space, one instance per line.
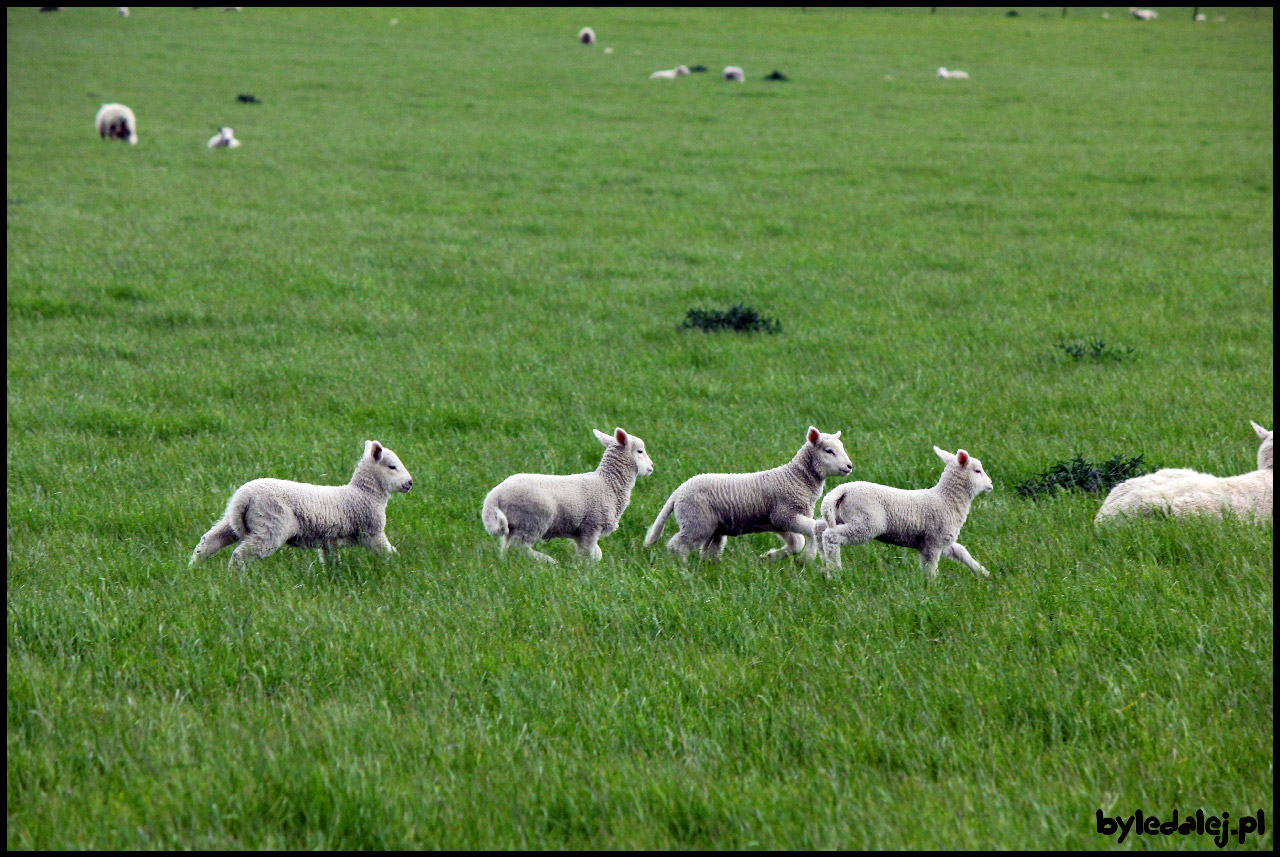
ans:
x=737 y=317
x=1077 y=474
x=1095 y=350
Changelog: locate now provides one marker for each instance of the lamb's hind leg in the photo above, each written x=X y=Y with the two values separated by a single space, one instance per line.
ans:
x=853 y=532
x=255 y=546
x=219 y=536
x=527 y=544
x=956 y=551
x=792 y=543
x=714 y=545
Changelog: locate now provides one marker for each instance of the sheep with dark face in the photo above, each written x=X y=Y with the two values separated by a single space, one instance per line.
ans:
x=116 y=122
x=587 y=36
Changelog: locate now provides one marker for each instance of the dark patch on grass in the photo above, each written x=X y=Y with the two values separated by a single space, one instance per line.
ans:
x=125 y=293
x=246 y=98
x=776 y=75
x=1093 y=349
x=743 y=319
x=50 y=306
x=1079 y=474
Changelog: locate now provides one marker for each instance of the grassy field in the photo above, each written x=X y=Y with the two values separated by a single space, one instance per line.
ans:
x=472 y=239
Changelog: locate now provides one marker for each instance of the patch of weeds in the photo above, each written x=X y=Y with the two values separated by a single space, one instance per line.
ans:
x=741 y=318
x=1094 y=349
x=1078 y=474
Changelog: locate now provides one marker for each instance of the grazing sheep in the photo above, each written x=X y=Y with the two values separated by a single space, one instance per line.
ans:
x=1186 y=492
x=928 y=519
x=732 y=72
x=117 y=122
x=713 y=506
x=670 y=73
x=1143 y=14
x=123 y=11
x=531 y=507
x=587 y=36
x=267 y=513
x=1200 y=17
x=224 y=139
x=952 y=75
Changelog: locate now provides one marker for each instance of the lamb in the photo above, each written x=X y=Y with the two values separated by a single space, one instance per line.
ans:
x=224 y=139
x=267 y=513
x=587 y=36
x=1143 y=14
x=928 y=519
x=122 y=11
x=952 y=75
x=117 y=122
x=1186 y=492
x=531 y=507
x=713 y=506
x=732 y=72
x=670 y=73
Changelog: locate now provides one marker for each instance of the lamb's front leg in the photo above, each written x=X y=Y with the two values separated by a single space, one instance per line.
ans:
x=794 y=535
x=929 y=561
x=956 y=551
x=379 y=543
x=589 y=546
x=791 y=543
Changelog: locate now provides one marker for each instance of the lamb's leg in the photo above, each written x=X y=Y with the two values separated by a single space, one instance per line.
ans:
x=379 y=543
x=527 y=544
x=791 y=543
x=255 y=546
x=692 y=535
x=956 y=551
x=588 y=546
x=853 y=532
x=794 y=535
x=714 y=545
x=929 y=561
x=219 y=536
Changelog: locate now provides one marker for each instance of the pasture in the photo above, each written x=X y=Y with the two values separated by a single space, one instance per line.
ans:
x=474 y=240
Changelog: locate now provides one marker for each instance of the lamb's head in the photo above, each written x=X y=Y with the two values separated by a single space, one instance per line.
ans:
x=682 y=70
x=587 y=36
x=827 y=454
x=384 y=467
x=226 y=134
x=1266 y=457
x=966 y=468
x=630 y=447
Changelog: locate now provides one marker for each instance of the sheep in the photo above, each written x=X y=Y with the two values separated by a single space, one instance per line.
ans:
x=1143 y=14
x=670 y=73
x=122 y=11
x=713 y=506
x=1186 y=492
x=952 y=75
x=266 y=513
x=928 y=519
x=732 y=72
x=1200 y=17
x=531 y=507
x=117 y=122
x=224 y=139
x=587 y=36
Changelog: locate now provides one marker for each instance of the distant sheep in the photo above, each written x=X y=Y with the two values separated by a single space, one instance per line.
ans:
x=732 y=72
x=265 y=514
x=224 y=139
x=1186 y=492
x=713 y=506
x=952 y=75
x=670 y=73
x=531 y=507
x=123 y=11
x=117 y=122
x=1143 y=14
x=927 y=520
x=587 y=36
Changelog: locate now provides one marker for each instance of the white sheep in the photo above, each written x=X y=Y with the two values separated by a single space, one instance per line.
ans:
x=1186 y=492
x=531 y=507
x=927 y=519
x=952 y=75
x=670 y=73
x=1143 y=14
x=713 y=506
x=1200 y=17
x=224 y=139
x=587 y=36
x=117 y=122
x=122 y=11
x=732 y=72
x=267 y=513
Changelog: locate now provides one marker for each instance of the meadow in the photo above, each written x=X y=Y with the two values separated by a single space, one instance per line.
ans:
x=474 y=240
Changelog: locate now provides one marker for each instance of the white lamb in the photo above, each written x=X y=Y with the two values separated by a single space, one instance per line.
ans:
x=531 y=507
x=713 y=506
x=1143 y=14
x=732 y=72
x=267 y=513
x=122 y=11
x=928 y=519
x=1186 y=492
x=952 y=75
x=670 y=73
x=587 y=36
x=224 y=139
x=117 y=122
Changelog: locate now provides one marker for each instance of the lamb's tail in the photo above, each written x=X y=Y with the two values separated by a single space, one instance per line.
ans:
x=495 y=523
x=831 y=511
x=655 y=532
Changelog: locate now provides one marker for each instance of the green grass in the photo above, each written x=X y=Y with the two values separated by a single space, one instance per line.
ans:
x=474 y=240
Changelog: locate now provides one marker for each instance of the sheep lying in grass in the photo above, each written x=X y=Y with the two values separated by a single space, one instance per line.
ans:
x=670 y=73
x=732 y=72
x=1143 y=14
x=267 y=513
x=531 y=507
x=117 y=122
x=952 y=75
x=713 y=506
x=587 y=36
x=928 y=520
x=224 y=139
x=1186 y=492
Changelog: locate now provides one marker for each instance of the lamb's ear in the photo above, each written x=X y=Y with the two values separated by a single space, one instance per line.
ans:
x=373 y=449
x=946 y=457
x=836 y=435
x=814 y=434
x=620 y=436
x=604 y=439
x=1263 y=434
x=962 y=457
